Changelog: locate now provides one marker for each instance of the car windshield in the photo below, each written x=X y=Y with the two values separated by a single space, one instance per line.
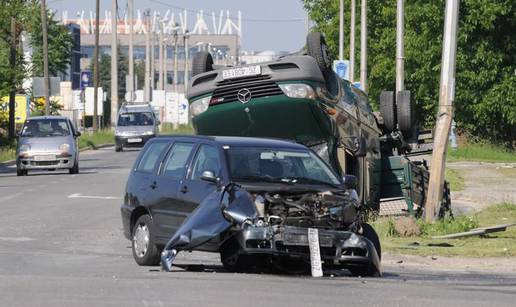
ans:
x=136 y=119
x=38 y=128
x=279 y=165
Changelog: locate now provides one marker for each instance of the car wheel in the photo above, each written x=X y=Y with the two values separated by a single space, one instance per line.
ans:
x=118 y=148
x=75 y=168
x=21 y=172
x=317 y=48
x=405 y=114
x=145 y=251
x=202 y=62
x=388 y=110
x=369 y=232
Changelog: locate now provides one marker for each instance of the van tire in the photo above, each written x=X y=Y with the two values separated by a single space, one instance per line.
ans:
x=202 y=62
x=318 y=49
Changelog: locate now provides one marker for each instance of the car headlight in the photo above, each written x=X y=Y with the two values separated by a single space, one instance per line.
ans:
x=24 y=148
x=121 y=133
x=298 y=90
x=200 y=105
x=150 y=132
x=64 y=147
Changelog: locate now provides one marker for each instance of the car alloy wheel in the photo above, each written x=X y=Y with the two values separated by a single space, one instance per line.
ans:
x=141 y=240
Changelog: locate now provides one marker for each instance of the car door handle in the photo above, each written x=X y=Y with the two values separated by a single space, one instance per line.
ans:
x=153 y=185
x=184 y=189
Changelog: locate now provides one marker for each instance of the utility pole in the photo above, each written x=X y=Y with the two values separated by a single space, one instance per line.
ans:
x=165 y=56
x=186 y=35
x=400 y=55
x=12 y=92
x=352 y=43
x=147 y=81
x=96 y=67
x=363 y=45
x=160 y=66
x=114 y=63
x=445 y=113
x=46 y=80
x=175 y=58
x=131 y=55
x=341 y=30
x=153 y=59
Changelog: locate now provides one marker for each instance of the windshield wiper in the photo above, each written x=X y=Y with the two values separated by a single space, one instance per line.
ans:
x=308 y=180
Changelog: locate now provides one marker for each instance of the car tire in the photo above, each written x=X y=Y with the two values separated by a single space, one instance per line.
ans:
x=21 y=172
x=75 y=169
x=318 y=49
x=388 y=110
x=369 y=232
x=119 y=148
x=405 y=114
x=202 y=62
x=145 y=251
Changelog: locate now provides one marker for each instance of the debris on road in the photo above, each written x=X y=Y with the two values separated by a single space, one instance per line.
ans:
x=477 y=231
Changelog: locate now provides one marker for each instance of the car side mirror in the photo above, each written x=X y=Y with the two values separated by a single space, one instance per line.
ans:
x=209 y=176
x=350 y=181
x=360 y=147
x=77 y=134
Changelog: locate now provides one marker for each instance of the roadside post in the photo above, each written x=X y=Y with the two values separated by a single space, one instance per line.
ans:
x=445 y=111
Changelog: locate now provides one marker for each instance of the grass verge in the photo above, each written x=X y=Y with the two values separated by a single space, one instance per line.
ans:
x=499 y=244
x=7 y=153
x=88 y=139
x=455 y=179
x=168 y=128
x=481 y=152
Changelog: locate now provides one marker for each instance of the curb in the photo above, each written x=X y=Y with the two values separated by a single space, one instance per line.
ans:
x=12 y=162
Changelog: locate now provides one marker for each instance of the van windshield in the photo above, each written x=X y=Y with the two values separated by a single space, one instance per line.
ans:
x=135 y=119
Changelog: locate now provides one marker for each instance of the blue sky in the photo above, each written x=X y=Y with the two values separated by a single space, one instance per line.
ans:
x=286 y=35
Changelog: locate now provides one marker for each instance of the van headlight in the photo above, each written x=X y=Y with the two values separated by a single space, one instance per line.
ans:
x=200 y=105
x=298 y=90
x=25 y=148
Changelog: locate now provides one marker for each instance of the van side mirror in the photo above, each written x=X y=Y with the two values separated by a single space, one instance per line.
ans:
x=360 y=147
x=158 y=122
x=209 y=176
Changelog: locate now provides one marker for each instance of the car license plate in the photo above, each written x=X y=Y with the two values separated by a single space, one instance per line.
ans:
x=45 y=158
x=241 y=72
x=136 y=140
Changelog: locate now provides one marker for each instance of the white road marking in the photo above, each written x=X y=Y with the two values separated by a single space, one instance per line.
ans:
x=8 y=197
x=16 y=239
x=78 y=195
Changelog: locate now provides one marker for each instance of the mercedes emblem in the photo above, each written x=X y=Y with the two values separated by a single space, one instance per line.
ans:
x=244 y=95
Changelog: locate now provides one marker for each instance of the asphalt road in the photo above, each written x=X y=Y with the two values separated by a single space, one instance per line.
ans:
x=61 y=244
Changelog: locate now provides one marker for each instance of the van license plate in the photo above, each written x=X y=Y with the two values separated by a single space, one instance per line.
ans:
x=45 y=158
x=241 y=72
x=137 y=140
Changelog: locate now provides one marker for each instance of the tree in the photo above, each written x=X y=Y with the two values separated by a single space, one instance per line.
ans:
x=485 y=97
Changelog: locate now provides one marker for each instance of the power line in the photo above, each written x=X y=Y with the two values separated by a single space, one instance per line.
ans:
x=233 y=18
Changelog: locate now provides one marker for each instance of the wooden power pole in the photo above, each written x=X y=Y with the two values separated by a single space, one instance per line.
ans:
x=445 y=113
x=46 y=80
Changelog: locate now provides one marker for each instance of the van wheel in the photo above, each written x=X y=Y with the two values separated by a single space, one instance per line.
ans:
x=75 y=168
x=21 y=172
x=202 y=62
x=145 y=251
x=317 y=48
x=119 y=149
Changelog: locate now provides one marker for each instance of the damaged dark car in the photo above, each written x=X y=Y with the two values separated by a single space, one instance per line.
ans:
x=252 y=200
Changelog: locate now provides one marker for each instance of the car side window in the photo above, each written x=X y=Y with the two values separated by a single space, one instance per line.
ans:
x=150 y=157
x=175 y=164
x=207 y=159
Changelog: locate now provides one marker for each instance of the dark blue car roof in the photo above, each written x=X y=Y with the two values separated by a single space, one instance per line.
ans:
x=241 y=141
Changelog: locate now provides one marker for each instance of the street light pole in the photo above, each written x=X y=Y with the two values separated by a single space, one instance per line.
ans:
x=363 y=45
x=46 y=80
x=400 y=57
x=352 y=43
x=131 y=55
x=114 y=63
x=175 y=58
x=147 y=81
x=341 y=30
x=153 y=59
x=96 y=66
x=160 y=67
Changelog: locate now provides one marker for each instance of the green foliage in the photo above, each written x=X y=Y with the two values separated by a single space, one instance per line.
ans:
x=448 y=226
x=455 y=179
x=168 y=128
x=104 y=136
x=485 y=97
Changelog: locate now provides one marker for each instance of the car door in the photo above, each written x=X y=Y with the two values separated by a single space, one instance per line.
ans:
x=194 y=190
x=168 y=213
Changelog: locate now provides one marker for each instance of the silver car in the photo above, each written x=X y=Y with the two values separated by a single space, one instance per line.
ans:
x=47 y=142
